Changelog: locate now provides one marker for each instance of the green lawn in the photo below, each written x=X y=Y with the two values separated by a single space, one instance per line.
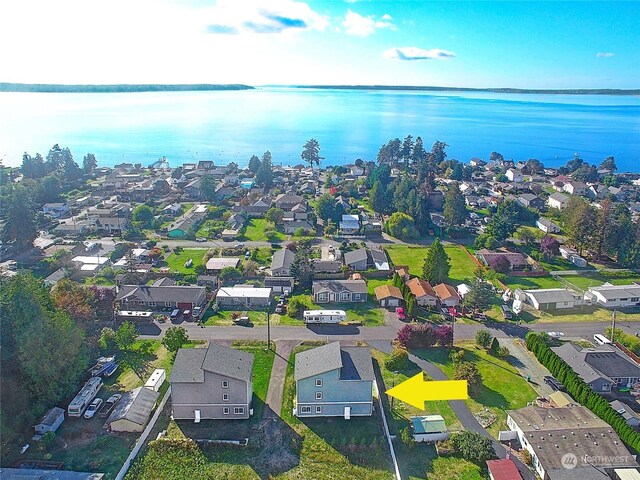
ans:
x=596 y=278
x=502 y=386
x=262 y=364
x=254 y=231
x=368 y=313
x=529 y=283
x=462 y=267
x=210 y=228
x=175 y=261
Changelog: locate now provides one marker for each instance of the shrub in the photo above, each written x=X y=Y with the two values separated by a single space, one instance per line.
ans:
x=407 y=437
x=503 y=352
x=495 y=345
x=295 y=306
x=473 y=446
x=399 y=360
x=483 y=338
x=457 y=355
x=424 y=335
x=469 y=372
x=526 y=457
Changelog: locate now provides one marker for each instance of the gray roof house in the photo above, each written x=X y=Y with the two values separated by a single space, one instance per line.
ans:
x=133 y=410
x=631 y=417
x=279 y=284
x=553 y=298
x=339 y=291
x=152 y=297
x=334 y=381
x=212 y=383
x=601 y=368
x=281 y=262
x=356 y=259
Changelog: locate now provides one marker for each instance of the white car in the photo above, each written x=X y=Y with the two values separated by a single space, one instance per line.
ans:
x=201 y=239
x=93 y=408
x=555 y=334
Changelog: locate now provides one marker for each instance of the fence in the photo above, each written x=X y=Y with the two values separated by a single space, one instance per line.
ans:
x=143 y=438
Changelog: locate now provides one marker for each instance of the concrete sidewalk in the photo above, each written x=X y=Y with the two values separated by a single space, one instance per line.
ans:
x=273 y=402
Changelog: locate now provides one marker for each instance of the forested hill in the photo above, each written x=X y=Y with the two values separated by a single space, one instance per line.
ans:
x=571 y=91
x=119 y=88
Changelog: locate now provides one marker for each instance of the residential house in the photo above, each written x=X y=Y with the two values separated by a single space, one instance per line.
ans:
x=517 y=261
x=547 y=226
x=447 y=295
x=477 y=162
x=559 y=399
x=281 y=262
x=402 y=271
x=55 y=210
x=172 y=210
x=389 y=296
x=574 y=188
x=630 y=417
x=210 y=281
x=244 y=296
x=530 y=200
x=503 y=469
x=185 y=225
x=379 y=259
x=290 y=226
x=73 y=229
x=216 y=264
x=514 y=175
x=158 y=296
x=257 y=209
x=602 y=367
x=615 y=296
x=349 y=225
x=548 y=434
x=550 y=299
x=558 y=200
x=334 y=381
x=111 y=225
x=326 y=266
x=214 y=383
x=286 y=201
x=279 y=285
x=356 y=259
x=192 y=189
x=90 y=264
x=573 y=256
x=423 y=291
x=133 y=410
x=428 y=428
x=339 y=291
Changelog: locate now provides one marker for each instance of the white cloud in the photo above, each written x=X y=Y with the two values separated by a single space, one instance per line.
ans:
x=415 y=53
x=231 y=17
x=356 y=24
x=605 y=54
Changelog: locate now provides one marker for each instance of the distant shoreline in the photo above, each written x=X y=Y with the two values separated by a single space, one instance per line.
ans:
x=572 y=91
x=116 y=88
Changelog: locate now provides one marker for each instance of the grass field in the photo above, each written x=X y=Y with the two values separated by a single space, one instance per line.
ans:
x=254 y=231
x=369 y=313
x=502 y=386
x=529 y=283
x=597 y=278
x=462 y=267
x=175 y=261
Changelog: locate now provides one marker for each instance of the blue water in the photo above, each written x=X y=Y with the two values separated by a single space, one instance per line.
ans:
x=229 y=126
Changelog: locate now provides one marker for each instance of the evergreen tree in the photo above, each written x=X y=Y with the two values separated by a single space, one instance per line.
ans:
x=208 y=186
x=264 y=174
x=455 y=210
x=20 y=217
x=254 y=163
x=89 y=163
x=311 y=152
x=436 y=263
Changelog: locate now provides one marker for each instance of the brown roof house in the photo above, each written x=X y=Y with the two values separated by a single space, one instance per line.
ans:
x=423 y=291
x=389 y=296
x=447 y=295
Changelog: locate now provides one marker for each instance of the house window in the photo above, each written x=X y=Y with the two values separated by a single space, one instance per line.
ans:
x=306 y=409
x=318 y=395
x=167 y=304
x=152 y=304
x=225 y=384
x=322 y=297
x=318 y=382
x=225 y=397
x=318 y=409
x=634 y=299
x=238 y=411
x=345 y=296
x=225 y=410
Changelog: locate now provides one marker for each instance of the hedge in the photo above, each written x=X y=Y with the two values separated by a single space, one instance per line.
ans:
x=579 y=390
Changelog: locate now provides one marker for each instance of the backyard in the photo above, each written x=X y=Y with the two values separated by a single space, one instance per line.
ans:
x=462 y=266
x=595 y=278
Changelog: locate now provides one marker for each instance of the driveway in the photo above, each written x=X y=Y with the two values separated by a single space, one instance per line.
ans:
x=460 y=408
x=273 y=402
x=528 y=365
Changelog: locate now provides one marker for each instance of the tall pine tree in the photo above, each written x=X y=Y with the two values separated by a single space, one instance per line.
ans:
x=436 y=263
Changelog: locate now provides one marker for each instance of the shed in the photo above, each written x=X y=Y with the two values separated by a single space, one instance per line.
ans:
x=560 y=399
x=132 y=412
x=156 y=379
x=429 y=428
x=503 y=469
x=50 y=421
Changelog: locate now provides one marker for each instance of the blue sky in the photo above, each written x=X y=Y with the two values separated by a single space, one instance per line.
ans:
x=453 y=43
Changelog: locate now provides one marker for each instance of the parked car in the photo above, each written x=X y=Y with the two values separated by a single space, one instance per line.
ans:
x=506 y=312
x=201 y=239
x=197 y=311
x=553 y=383
x=555 y=334
x=238 y=245
x=280 y=308
x=480 y=316
x=93 y=407
x=400 y=313
x=109 y=404
x=186 y=314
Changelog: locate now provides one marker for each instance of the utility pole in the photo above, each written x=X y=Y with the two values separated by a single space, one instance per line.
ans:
x=268 y=332
x=613 y=326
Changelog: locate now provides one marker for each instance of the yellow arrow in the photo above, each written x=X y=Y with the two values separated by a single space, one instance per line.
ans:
x=415 y=391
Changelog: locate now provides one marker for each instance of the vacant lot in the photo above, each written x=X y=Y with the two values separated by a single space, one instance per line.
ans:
x=596 y=278
x=531 y=283
x=176 y=261
x=254 y=231
x=502 y=386
x=462 y=267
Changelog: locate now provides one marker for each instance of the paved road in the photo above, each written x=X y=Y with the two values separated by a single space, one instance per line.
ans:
x=273 y=401
x=459 y=407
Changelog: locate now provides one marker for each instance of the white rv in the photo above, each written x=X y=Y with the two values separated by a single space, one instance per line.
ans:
x=82 y=400
x=324 y=316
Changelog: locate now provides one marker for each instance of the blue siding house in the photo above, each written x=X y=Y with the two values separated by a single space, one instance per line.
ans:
x=334 y=381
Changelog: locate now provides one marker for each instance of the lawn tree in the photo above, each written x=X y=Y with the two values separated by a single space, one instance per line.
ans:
x=327 y=209
x=496 y=157
x=526 y=235
x=175 y=338
x=33 y=167
x=125 y=336
x=549 y=246
x=469 y=372
x=254 y=164
x=389 y=154
x=274 y=215
x=479 y=296
x=229 y=274
x=143 y=216
x=401 y=225
x=505 y=221
x=264 y=175
x=586 y=173
x=483 y=338
x=311 y=152
x=533 y=166
x=77 y=300
x=378 y=198
x=208 y=186
x=500 y=264
x=581 y=223
x=436 y=264
x=455 y=210
x=495 y=346
x=250 y=268
x=438 y=152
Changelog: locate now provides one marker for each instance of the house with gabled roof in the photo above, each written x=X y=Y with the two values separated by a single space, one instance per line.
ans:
x=155 y=297
x=339 y=291
x=281 y=262
x=334 y=381
x=423 y=291
x=212 y=383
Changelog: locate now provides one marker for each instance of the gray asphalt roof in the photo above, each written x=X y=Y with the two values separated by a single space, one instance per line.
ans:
x=551 y=295
x=317 y=360
x=283 y=258
x=164 y=293
x=571 y=354
x=228 y=362
x=356 y=363
x=187 y=367
x=135 y=406
x=355 y=256
x=611 y=364
x=354 y=286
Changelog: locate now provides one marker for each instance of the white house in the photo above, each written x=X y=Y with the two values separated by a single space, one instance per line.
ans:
x=514 y=175
x=547 y=226
x=615 y=296
x=244 y=296
x=350 y=224
x=558 y=200
x=553 y=299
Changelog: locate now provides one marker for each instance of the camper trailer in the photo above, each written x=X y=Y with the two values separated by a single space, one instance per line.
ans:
x=82 y=400
x=324 y=316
